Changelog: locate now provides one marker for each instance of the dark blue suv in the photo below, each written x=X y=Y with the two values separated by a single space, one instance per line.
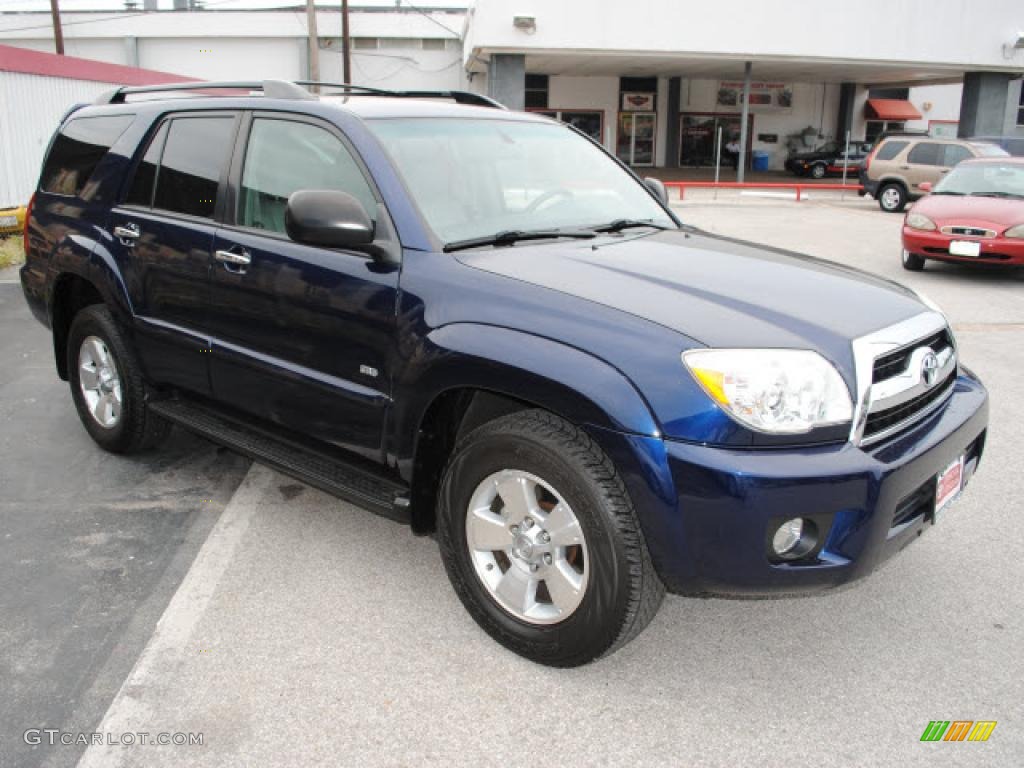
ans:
x=480 y=323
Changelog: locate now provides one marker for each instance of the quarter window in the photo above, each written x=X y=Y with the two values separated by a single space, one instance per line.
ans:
x=955 y=154
x=194 y=156
x=926 y=153
x=284 y=156
x=78 y=149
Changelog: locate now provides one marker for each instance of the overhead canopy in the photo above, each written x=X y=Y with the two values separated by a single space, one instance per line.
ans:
x=890 y=109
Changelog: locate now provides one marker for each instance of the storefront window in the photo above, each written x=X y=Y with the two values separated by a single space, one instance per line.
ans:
x=876 y=128
x=590 y=122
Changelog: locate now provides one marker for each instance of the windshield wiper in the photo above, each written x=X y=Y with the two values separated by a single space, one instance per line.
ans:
x=947 y=192
x=510 y=236
x=995 y=194
x=620 y=224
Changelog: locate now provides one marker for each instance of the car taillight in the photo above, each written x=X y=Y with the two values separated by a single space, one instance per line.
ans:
x=868 y=159
x=28 y=218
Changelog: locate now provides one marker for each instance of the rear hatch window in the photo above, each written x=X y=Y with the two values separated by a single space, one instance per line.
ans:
x=78 y=149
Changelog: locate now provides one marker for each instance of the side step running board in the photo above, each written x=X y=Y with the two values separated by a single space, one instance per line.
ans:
x=351 y=482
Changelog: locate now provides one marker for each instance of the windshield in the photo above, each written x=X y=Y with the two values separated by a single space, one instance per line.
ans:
x=989 y=178
x=475 y=178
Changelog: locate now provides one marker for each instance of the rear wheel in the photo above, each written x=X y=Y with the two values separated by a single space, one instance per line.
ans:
x=541 y=541
x=107 y=386
x=912 y=261
x=818 y=171
x=892 y=198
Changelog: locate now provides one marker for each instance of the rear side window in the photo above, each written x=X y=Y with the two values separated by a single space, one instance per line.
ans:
x=890 y=149
x=78 y=149
x=955 y=154
x=194 y=156
x=926 y=153
x=284 y=156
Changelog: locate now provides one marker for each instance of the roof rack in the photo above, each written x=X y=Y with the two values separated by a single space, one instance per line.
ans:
x=292 y=89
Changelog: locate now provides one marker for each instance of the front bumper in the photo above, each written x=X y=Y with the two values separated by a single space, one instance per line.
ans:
x=868 y=504
x=935 y=245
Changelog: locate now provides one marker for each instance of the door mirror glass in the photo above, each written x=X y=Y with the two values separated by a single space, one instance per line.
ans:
x=658 y=188
x=327 y=217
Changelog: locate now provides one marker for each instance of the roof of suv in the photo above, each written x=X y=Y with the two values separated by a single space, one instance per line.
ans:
x=361 y=101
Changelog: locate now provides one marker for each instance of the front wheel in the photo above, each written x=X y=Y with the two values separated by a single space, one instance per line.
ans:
x=107 y=386
x=818 y=171
x=541 y=541
x=912 y=262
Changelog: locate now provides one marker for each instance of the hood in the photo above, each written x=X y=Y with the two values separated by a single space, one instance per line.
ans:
x=717 y=291
x=989 y=212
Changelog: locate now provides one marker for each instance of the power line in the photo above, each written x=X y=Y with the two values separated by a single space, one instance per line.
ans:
x=105 y=18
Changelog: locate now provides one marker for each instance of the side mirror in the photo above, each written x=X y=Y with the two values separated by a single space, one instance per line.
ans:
x=925 y=186
x=327 y=217
x=657 y=188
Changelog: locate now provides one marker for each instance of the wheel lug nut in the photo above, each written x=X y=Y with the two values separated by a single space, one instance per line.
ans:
x=514 y=528
x=527 y=523
x=545 y=536
x=547 y=559
x=534 y=566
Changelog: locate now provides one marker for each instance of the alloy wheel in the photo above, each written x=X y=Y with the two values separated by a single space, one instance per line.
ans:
x=99 y=382
x=527 y=547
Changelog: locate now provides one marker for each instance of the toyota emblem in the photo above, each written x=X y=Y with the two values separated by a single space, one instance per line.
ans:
x=929 y=369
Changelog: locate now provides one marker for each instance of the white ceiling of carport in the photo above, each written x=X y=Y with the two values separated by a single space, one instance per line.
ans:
x=789 y=70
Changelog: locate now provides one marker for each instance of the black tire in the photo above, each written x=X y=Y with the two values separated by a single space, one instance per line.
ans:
x=818 y=171
x=623 y=592
x=892 y=198
x=912 y=262
x=137 y=429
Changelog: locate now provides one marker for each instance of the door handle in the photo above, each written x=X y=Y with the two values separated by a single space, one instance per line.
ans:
x=241 y=259
x=127 y=233
x=904 y=167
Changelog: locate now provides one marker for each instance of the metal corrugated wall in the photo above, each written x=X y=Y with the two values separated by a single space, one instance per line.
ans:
x=30 y=106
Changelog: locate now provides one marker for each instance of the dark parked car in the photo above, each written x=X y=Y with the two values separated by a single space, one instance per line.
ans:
x=830 y=158
x=481 y=324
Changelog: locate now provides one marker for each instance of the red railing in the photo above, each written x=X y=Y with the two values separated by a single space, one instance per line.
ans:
x=798 y=186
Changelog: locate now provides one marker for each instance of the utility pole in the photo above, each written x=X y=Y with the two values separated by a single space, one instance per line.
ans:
x=58 y=34
x=346 y=45
x=314 y=43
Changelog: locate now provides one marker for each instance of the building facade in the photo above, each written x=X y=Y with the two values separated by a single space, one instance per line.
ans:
x=655 y=82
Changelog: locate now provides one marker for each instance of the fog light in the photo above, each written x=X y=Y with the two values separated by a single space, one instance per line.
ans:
x=787 y=537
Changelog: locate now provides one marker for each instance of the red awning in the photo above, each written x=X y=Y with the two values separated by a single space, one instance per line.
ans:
x=890 y=109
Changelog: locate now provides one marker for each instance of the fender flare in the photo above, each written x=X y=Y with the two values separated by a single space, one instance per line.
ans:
x=548 y=374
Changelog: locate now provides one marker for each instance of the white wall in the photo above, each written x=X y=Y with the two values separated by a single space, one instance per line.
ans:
x=33 y=106
x=935 y=102
x=957 y=33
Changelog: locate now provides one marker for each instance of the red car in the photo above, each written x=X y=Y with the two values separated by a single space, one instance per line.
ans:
x=974 y=215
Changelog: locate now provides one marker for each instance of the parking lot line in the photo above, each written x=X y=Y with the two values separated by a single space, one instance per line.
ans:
x=128 y=712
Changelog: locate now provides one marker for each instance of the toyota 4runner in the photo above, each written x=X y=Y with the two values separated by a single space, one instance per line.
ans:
x=479 y=323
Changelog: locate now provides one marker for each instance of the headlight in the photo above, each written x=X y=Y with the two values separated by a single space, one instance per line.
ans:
x=1017 y=231
x=919 y=221
x=779 y=391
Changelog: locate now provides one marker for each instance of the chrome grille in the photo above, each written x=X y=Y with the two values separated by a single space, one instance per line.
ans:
x=966 y=231
x=904 y=373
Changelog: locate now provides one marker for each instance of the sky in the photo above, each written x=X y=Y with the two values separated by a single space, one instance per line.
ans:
x=68 y=6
